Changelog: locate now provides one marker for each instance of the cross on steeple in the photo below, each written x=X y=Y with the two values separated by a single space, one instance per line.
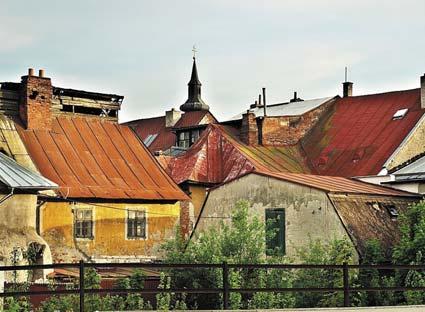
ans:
x=194 y=51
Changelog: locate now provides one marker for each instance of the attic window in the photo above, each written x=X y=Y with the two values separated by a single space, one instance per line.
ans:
x=400 y=113
x=149 y=139
x=391 y=210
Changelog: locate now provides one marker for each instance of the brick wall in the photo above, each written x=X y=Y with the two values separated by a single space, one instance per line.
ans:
x=249 y=129
x=35 y=102
x=288 y=130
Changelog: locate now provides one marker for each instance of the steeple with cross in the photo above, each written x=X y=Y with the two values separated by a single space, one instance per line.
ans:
x=194 y=101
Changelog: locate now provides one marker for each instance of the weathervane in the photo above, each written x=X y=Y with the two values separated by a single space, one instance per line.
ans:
x=194 y=51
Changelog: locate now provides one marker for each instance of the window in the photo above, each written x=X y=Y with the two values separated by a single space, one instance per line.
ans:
x=275 y=232
x=136 y=224
x=184 y=139
x=83 y=223
x=187 y=138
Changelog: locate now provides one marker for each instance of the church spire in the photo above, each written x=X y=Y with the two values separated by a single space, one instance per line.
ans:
x=194 y=101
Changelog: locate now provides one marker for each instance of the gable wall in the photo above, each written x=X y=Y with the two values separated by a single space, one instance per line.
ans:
x=309 y=212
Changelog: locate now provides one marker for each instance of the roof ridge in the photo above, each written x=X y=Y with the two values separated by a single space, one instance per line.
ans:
x=381 y=93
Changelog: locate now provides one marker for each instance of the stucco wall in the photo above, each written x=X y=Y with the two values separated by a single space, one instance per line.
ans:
x=17 y=231
x=413 y=146
x=109 y=230
x=309 y=213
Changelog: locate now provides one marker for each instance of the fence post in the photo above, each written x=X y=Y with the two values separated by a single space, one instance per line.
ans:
x=81 y=282
x=346 y=281
x=225 y=286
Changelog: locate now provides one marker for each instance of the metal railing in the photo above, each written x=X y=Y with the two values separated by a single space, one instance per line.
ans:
x=225 y=290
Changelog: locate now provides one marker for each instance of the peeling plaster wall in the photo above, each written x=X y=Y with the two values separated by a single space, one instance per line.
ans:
x=413 y=146
x=17 y=231
x=110 y=239
x=309 y=213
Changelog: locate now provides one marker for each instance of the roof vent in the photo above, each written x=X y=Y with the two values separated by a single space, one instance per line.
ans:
x=400 y=113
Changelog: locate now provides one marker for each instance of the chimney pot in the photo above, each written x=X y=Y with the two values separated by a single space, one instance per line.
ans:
x=41 y=73
x=264 y=102
x=30 y=71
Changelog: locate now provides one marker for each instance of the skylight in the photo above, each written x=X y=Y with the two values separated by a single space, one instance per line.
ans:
x=400 y=113
x=149 y=139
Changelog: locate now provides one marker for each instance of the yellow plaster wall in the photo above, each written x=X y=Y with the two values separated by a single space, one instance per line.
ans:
x=413 y=146
x=109 y=230
x=197 y=195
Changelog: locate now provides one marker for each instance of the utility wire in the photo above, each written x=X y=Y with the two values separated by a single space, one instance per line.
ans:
x=126 y=209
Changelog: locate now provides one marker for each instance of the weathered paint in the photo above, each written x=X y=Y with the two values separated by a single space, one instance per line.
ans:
x=197 y=195
x=412 y=146
x=17 y=231
x=309 y=212
x=110 y=239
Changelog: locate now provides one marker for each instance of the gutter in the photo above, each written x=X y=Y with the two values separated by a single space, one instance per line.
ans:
x=6 y=197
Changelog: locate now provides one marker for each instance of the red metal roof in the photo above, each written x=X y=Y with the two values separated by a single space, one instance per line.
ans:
x=90 y=158
x=360 y=135
x=220 y=156
x=166 y=138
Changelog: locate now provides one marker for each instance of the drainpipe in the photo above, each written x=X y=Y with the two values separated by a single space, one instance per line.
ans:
x=6 y=197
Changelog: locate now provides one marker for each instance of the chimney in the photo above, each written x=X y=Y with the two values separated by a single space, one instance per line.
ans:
x=296 y=98
x=423 y=92
x=249 y=129
x=347 y=89
x=171 y=117
x=35 y=101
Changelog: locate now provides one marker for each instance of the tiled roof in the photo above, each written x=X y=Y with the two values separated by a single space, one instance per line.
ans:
x=165 y=138
x=89 y=158
x=15 y=176
x=360 y=134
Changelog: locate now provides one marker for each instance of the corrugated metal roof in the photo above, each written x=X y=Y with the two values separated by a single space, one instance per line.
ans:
x=359 y=135
x=90 y=158
x=16 y=176
x=287 y=109
x=337 y=184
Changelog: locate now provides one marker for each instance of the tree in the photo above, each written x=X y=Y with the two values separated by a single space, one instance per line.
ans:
x=411 y=250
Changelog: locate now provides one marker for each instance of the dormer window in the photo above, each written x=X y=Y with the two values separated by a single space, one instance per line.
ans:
x=185 y=139
x=400 y=113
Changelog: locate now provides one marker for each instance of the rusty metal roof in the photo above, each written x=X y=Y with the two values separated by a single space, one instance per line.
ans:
x=16 y=176
x=165 y=137
x=336 y=184
x=90 y=158
x=359 y=134
x=220 y=156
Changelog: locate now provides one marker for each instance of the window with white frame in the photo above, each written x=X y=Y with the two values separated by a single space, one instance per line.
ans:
x=136 y=224
x=83 y=223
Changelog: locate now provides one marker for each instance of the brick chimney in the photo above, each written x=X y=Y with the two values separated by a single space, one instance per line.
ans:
x=171 y=117
x=423 y=92
x=35 y=101
x=249 y=129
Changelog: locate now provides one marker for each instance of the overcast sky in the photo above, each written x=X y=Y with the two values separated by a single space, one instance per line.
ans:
x=142 y=49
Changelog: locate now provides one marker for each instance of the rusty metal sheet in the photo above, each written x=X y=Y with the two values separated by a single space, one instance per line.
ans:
x=88 y=158
x=359 y=134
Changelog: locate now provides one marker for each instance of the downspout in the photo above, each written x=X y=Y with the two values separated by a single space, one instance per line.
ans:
x=6 y=197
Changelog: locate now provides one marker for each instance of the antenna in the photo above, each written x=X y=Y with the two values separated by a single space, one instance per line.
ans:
x=345 y=73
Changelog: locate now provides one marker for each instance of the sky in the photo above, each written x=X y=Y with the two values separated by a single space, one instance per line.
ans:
x=143 y=49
